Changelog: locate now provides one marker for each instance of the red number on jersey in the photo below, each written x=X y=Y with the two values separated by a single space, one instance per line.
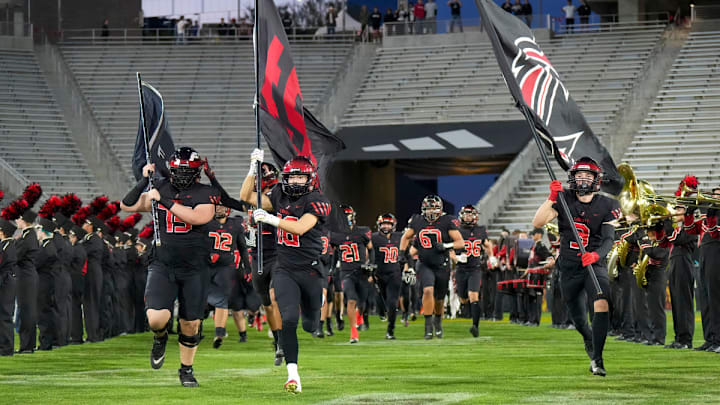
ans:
x=349 y=253
x=287 y=238
x=237 y=256
x=584 y=233
x=474 y=248
x=424 y=237
x=173 y=224
x=391 y=254
x=222 y=241
x=326 y=244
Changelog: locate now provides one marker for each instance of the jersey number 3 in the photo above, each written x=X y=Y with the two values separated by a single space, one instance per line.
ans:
x=584 y=233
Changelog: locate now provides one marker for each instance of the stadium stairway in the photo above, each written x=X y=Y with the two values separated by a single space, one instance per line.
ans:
x=36 y=141
x=208 y=89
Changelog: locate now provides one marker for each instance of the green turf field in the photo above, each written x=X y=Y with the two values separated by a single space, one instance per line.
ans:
x=506 y=364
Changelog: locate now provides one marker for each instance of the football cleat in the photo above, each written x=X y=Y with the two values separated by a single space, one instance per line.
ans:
x=597 y=368
x=279 y=356
x=341 y=324
x=474 y=331
x=157 y=354
x=293 y=387
x=318 y=334
x=589 y=348
x=217 y=342
x=389 y=336
x=187 y=378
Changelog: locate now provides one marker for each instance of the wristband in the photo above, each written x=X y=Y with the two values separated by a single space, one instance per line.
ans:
x=272 y=220
x=166 y=202
x=448 y=245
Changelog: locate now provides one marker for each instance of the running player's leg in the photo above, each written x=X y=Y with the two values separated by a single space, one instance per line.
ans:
x=192 y=296
x=221 y=285
x=442 y=280
x=350 y=289
x=329 y=305
x=572 y=283
x=160 y=293
x=288 y=296
x=338 y=301
x=392 y=283
x=427 y=284
x=474 y=282
x=601 y=318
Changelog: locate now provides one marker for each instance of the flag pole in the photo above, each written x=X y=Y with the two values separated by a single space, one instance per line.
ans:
x=153 y=204
x=258 y=172
x=528 y=117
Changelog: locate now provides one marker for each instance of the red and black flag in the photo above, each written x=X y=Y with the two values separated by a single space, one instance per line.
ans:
x=160 y=140
x=288 y=128
x=536 y=86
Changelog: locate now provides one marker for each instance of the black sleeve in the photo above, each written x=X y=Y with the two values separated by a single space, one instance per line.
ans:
x=371 y=258
x=542 y=252
x=657 y=252
x=607 y=231
x=225 y=199
x=242 y=247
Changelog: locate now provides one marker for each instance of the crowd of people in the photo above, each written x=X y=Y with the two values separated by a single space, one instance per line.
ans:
x=73 y=274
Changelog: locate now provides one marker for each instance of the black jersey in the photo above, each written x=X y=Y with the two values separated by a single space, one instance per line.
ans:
x=327 y=251
x=430 y=234
x=183 y=245
x=351 y=247
x=224 y=240
x=299 y=251
x=269 y=237
x=387 y=251
x=475 y=237
x=588 y=218
x=27 y=250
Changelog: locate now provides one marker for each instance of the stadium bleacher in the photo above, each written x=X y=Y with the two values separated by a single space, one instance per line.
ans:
x=35 y=137
x=679 y=135
x=208 y=89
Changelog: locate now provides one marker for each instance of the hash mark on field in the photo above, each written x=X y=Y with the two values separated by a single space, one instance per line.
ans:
x=398 y=398
x=418 y=342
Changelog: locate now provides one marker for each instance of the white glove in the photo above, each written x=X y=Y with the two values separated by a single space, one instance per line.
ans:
x=462 y=258
x=493 y=261
x=260 y=215
x=257 y=155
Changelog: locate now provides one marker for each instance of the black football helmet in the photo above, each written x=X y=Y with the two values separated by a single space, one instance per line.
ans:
x=431 y=208
x=468 y=210
x=185 y=167
x=386 y=219
x=269 y=174
x=299 y=165
x=585 y=164
x=349 y=213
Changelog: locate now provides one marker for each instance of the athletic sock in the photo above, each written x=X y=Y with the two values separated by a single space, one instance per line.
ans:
x=475 y=310
x=338 y=318
x=292 y=372
x=184 y=367
x=275 y=337
x=600 y=324
x=428 y=323
x=220 y=332
x=322 y=325
x=243 y=334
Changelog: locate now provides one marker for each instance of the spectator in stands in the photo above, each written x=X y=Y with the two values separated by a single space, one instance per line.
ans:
x=222 y=28
x=419 y=13
x=402 y=17
x=507 y=6
x=375 y=23
x=331 y=20
x=569 y=16
x=180 y=27
x=455 y=6
x=363 y=19
x=516 y=8
x=527 y=12
x=584 y=13
x=245 y=27
x=106 y=29
x=232 y=28
x=195 y=29
x=287 y=21
x=431 y=17
x=389 y=21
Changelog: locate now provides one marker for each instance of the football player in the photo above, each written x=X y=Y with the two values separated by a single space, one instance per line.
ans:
x=436 y=233
x=178 y=268
x=354 y=250
x=593 y=216
x=301 y=212
x=386 y=243
x=469 y=260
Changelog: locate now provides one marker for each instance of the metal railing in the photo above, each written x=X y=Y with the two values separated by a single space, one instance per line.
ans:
x=454 y=25
x=11 y=29
x=189 y=36
x=608 y=22
x=706 y=12
x=12 y=181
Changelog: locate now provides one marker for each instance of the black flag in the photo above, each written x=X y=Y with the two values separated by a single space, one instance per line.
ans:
x=288 y=128
x=536 y=85
x=159 y=138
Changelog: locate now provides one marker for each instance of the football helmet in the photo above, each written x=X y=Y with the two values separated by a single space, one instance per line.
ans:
x=185 y=166
x=585 y=164
x=468 y=210
x=349 y=213
x=386 y=219
x=298 y=165
x=431 y=208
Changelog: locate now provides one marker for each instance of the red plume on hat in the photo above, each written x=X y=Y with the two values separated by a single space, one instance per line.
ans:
x=14 y=210
x=81 y=215
x=98 y=204
x=70 y=204
x=2 y=195
x=109 y=210
x=113 y=223
x=50 y=207
x=147 y=232
x=32 y=194
x=690 y=181
x=130 y=221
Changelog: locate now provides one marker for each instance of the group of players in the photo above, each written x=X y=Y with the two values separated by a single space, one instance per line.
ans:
x=203 y=258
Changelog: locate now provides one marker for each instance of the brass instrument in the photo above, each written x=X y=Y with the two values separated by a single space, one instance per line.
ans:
x=699 y=200
x=639 y=271
x=612 y=261
x=628 y=196
x=552 y=228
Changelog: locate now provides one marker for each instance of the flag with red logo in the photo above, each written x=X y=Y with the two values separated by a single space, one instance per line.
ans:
x=288 y=128
x=536 y=85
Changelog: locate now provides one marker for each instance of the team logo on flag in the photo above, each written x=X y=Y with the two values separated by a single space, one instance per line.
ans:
x=539 y=81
